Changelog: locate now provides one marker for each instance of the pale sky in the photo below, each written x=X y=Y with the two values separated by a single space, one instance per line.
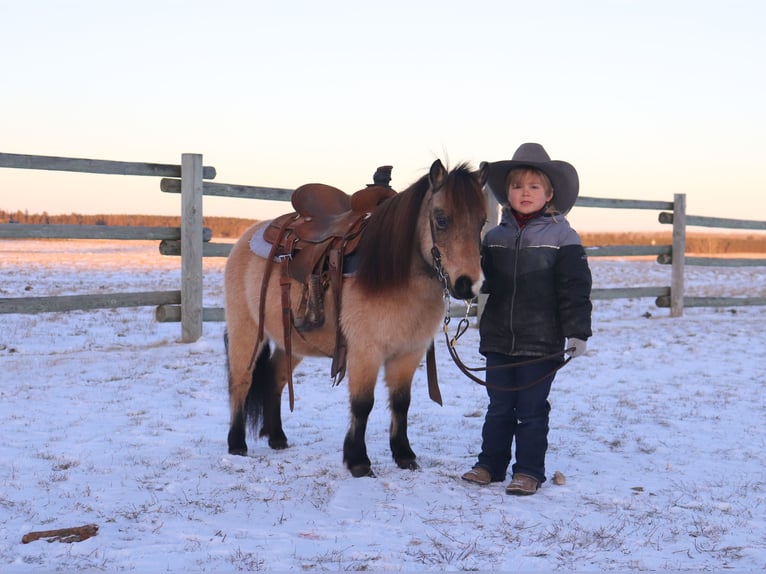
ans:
x=645 y=98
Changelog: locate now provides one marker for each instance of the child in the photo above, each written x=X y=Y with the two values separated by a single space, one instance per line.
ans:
x=538 y=285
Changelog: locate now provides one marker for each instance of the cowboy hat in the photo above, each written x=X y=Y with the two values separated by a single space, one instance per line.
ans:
x=563 y=176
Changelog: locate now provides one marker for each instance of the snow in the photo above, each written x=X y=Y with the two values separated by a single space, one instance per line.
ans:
x=107 y=418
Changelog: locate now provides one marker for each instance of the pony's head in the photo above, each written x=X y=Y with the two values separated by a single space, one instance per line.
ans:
x=455 y=212
x=434 y=224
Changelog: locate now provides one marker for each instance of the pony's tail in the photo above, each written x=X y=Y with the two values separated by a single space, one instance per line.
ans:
x=262 y=381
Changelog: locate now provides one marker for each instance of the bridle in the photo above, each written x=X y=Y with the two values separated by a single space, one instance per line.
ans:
x=463 y=324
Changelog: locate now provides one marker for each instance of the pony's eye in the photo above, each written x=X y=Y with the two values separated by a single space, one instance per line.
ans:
x=441 y=221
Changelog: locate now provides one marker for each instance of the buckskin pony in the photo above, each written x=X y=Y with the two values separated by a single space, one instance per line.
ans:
x=406 y=247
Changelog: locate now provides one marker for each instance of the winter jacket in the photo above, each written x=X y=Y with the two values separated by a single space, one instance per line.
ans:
x=538 y=284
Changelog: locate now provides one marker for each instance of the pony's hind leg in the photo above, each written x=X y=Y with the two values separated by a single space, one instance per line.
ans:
x=261 y=403
x=255 y=393
x=240 y=379
x=249 y=381
x=398 y=374
x=272 y=399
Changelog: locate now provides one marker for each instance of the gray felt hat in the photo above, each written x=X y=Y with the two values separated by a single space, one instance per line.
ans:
x=563 y=175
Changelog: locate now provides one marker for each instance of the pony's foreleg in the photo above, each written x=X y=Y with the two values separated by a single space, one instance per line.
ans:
x=398 y=374
x=362 y=397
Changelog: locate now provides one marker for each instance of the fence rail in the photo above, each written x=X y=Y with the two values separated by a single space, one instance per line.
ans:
x=107 y=167
x=192 y=242
x=608 y=203
x=67 y=231
x=191 y=236
x=702 y=221
x=60 y=303
x=675 y=299
x=231 y=190
x=628 y=250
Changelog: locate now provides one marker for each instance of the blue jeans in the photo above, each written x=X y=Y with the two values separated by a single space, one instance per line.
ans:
x=521 y=415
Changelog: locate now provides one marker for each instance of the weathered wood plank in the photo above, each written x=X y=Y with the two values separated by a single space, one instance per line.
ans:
x=622 y=203
x=172 y=314
x=232 y=190
x=664 y=301
x=68 y=231
x=173 y=247
x=725 y=262
x=715 y=261
x=53 y=163
x=677 y=273
x=626 y=250
x=629 y=292
x=703 y=221
x=64 y=303
x=191 y=247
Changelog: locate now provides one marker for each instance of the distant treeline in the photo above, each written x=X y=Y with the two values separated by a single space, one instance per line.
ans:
x=222 y=227
x=233 y=227
x=719 y=243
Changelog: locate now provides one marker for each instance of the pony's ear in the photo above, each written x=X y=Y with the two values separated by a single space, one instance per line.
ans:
x=437 y=175
x=483 y=173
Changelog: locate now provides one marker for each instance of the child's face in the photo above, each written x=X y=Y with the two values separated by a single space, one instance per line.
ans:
x=528 y=192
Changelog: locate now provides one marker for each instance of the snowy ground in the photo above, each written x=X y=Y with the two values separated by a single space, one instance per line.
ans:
x=106 y=418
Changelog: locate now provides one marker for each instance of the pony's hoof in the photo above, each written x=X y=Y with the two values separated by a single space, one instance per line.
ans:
x=278 y=443
x=238 y=451
x=361 y=470
x=408 y=464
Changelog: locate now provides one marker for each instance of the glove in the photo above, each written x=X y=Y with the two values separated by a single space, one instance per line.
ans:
x=576 y=347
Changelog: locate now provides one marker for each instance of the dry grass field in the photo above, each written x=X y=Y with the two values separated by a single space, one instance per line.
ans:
x=722 y=243
x=710 y=243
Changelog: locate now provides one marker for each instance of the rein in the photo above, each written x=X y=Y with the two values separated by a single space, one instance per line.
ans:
x=462 y=327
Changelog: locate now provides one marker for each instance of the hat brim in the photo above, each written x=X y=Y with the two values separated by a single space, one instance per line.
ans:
x=563 y=176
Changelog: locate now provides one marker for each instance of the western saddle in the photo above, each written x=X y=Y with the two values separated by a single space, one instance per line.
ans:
x=311 y=245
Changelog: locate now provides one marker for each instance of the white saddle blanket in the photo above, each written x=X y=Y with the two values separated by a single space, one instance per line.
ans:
x=258 y=244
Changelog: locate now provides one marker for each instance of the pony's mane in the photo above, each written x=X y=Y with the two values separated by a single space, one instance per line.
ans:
x=387 y=245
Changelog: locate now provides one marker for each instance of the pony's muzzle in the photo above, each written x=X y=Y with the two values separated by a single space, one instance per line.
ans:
x=465 y=288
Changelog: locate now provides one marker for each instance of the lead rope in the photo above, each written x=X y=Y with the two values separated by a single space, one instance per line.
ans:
x=462 y=327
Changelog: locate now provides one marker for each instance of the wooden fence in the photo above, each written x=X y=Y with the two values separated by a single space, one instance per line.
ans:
x=190 y=237
x=191 y=242
x=672 y=296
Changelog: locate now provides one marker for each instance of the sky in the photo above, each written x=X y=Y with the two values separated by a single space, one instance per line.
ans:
x=660 y=441
x=645 y=98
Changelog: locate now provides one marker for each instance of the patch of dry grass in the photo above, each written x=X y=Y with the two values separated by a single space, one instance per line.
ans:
x=696 y=242
x=710 y=243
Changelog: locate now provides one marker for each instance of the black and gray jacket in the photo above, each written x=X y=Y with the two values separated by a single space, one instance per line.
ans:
x=538 y=281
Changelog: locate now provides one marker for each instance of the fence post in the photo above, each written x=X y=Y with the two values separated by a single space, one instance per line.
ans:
x=191 y=247
x=493 y=210
x=678 y=255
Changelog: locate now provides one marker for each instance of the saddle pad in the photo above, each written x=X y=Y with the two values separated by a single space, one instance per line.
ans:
x=262 y=248
x=258 y=244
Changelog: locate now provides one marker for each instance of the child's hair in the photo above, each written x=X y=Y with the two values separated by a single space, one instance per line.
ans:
x=517 y=173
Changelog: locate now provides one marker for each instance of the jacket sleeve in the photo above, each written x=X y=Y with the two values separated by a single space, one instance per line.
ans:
x=573 y=286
